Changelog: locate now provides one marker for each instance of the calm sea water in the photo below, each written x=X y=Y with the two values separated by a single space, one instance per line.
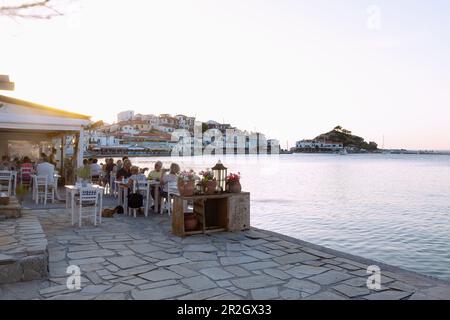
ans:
x=390 y=208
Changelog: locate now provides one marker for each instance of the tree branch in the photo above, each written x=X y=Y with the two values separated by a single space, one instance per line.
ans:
x=40 y=9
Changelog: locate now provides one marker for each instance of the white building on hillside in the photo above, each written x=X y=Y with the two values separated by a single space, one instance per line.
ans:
x=185 y=122
x=125 y=116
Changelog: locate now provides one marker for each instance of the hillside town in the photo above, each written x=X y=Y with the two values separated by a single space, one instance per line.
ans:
x=147 y=134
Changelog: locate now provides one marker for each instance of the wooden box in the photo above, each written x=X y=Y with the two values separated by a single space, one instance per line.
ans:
x=215 y=213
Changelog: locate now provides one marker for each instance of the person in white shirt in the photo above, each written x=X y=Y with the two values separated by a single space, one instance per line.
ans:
x=171 y=177
x=46 y=169
x=96 y=169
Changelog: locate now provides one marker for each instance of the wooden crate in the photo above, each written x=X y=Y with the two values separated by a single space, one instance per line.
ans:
x=215 y=213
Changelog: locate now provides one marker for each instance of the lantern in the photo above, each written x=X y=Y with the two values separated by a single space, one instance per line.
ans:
x=220 y=173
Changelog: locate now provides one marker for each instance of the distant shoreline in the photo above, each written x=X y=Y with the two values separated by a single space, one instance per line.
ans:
x=434 y=153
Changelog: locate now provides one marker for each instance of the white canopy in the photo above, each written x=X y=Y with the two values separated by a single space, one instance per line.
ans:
x=23 y=120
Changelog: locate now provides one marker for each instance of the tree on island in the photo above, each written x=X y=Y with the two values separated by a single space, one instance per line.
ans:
x=344 y=136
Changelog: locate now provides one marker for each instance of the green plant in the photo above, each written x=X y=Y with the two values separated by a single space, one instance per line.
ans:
x=207 y=175
x=21 y=190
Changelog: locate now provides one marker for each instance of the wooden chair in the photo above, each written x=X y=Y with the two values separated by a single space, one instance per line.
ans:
x=6 y=181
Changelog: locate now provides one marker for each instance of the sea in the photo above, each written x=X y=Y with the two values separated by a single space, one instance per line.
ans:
x=392 y=208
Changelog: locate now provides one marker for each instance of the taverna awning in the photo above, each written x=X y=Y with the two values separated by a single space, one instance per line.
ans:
x=22 y=120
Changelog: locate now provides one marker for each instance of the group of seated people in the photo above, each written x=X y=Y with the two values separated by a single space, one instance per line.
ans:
x=130 y=174
x=25 y=167
x=123 y=170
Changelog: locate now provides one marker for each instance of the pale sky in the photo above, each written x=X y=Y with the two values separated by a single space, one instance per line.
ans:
x=291 y=69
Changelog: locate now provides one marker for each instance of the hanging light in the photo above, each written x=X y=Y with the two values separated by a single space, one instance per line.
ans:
x=220 y=173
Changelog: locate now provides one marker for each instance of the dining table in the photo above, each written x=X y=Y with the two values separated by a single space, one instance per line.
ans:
x=122 y=190
x=73 y=190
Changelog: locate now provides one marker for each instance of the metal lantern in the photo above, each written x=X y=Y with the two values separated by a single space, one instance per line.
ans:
x=220 y=173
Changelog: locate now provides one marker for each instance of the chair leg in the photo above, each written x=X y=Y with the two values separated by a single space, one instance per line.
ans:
x=146 y=208
x=95 y=215
x=169 y=203
x=79 y=215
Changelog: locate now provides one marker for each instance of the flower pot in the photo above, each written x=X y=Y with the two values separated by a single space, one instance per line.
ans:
x=234 y=187
x=210 y=187
x=186 y=188
x=190 y=221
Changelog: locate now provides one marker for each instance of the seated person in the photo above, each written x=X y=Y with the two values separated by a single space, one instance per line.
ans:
x=84 y=172
x=156 y=173
x=109 y=167
x=172 y=176
x=5 y=165
x=96 y=170
x=26 y=169
x=135 y=177
x=125 y=171
x=45 y=168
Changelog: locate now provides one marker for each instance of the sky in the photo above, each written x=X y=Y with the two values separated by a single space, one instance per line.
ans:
x=291 y=69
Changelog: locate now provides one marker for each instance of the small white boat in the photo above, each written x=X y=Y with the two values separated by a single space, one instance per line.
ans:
x=343 y=152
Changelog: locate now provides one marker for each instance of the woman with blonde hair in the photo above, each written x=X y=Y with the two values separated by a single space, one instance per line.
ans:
x=172 y=176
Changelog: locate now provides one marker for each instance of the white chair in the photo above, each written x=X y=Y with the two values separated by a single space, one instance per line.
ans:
x=143 y=188
x=87 y=196
x=42 y=189
x=6 y=181
x=172 y=189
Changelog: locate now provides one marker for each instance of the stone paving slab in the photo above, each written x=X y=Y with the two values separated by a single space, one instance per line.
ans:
x=24 y=255
x=128 y=258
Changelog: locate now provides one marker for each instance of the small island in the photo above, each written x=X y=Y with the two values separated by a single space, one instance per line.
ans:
x=338 y=140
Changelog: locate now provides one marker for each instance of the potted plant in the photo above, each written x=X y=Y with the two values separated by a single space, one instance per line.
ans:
x=190 y=221
x=208 y=181
x=233 y=182
x=21 y=192
x=186 y=183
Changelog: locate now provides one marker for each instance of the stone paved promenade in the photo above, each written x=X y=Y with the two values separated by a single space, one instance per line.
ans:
x=127 y=258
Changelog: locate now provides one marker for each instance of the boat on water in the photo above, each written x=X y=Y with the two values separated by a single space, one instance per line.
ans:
x=343 y=152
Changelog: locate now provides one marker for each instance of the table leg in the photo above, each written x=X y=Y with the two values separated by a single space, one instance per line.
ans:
x=156 y=199
x=119 y=197
x=15 y=184
x=101 y=206
x=72 y=195
x=67 y=199
x=57 y=197
x=147 y=200
x=125 y=200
